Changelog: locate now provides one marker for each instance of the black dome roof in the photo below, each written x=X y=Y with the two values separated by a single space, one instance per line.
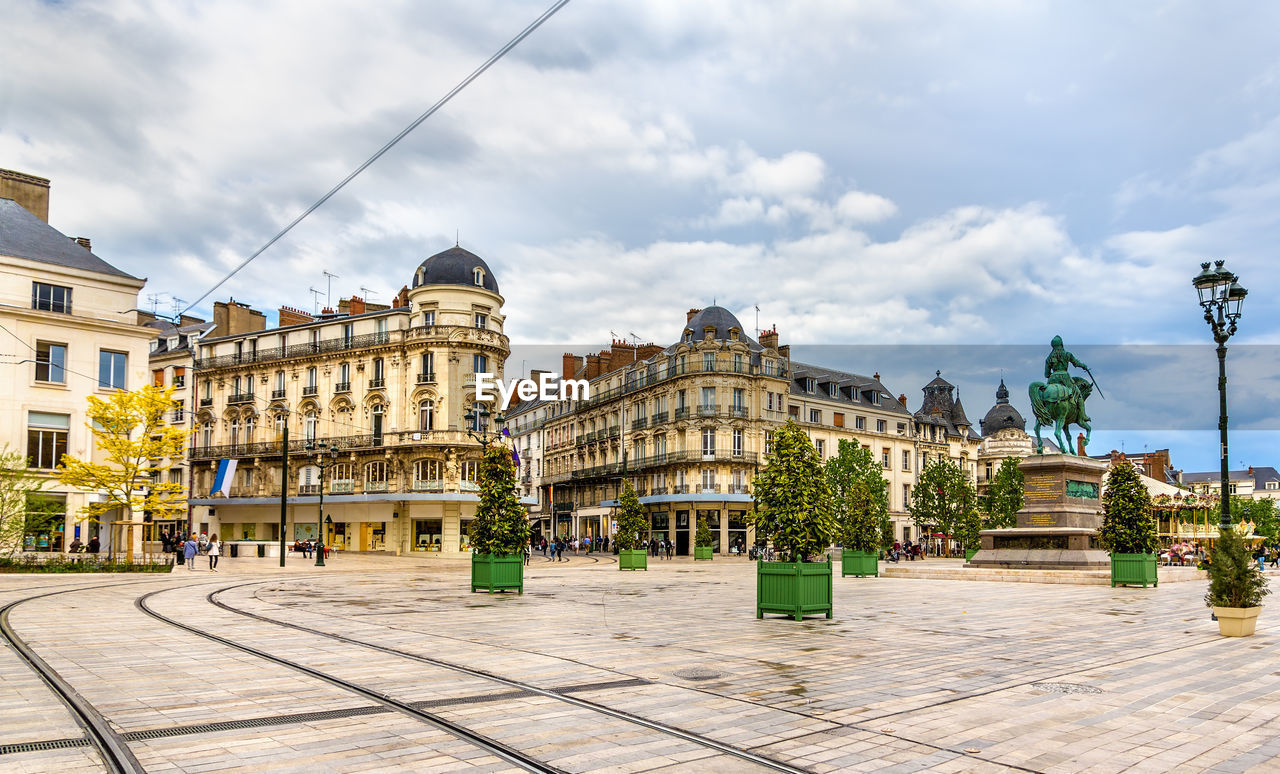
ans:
x=1002 y=414
x=714 y=316
x=454 y=266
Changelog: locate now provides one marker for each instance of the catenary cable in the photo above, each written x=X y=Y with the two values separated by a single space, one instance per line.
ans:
x=394 y=140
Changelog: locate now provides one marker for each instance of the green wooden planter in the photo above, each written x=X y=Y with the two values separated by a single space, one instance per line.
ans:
x=796 y=589
x=969 y=553
x=633 y=559
x=1133 y=570
x=859 y=563
x=492 y=573
x=702 y=552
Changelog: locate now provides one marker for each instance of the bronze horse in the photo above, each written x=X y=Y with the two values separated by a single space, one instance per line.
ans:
x=1053 y=404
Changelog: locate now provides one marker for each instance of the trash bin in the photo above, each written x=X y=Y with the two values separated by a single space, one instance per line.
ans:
x=235 y=550
x=262 y=550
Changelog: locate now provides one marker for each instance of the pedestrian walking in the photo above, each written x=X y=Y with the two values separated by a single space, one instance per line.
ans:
x=671 y=547
x=189 y=551
x=215 y=550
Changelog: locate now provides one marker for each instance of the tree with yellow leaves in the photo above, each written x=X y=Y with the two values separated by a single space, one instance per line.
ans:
x=129 y=429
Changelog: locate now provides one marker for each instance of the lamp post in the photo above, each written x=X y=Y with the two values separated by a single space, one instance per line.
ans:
x=320 y=452
x=478 y=426
x=1221 y=297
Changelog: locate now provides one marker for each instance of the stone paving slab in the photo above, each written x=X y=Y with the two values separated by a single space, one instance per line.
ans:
x=910 y=674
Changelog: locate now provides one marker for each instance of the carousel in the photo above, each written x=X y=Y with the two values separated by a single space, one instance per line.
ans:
x=1187 y=525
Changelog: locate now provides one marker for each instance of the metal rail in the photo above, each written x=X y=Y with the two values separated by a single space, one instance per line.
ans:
x=688 y=736
x=111 y=746
x=508 y=754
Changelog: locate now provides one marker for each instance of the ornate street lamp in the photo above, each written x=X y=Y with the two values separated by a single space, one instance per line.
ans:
x=478 y=426
x=1221 y=297
x=323 y=456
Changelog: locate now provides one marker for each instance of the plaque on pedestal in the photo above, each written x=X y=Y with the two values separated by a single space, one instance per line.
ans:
x=1058 y=524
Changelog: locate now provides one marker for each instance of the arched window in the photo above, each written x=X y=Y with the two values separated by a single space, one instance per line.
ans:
x=479 y=276
x=378 y=374
x=377 y=424
x=375 y=476
x=309 y=423
x=235 y=432
x=249 y=424
x=477 y=416
x=426 y=413
x=427 y=475
x=340 y=477
x=206 y=435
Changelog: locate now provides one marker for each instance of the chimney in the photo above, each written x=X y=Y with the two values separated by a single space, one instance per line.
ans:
x=769 y=338
x=28 y=190
x=402 y=298
x=877 y=376
x=231 y=318
x=535 y=375
x=288 y=316
x=692 y=313
x=646 y=351
x=595 y=366
x=785 y=351
x=902 y=398
x=85 y=243
x=353 y=305
x=621 y=353
x=570 y=364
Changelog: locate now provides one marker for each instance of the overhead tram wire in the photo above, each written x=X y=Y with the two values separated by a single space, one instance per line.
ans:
x=394 y=140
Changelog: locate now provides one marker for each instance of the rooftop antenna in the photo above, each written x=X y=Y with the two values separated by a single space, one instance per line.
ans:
x=177 y=305
x=635 y=340
x=328 y=293
x=154 y=298
x=457 y=237
x=757 y=319
x=367 y=293
x=315 y=303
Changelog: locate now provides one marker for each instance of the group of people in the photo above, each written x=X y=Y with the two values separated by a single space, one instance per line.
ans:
x=93 y=546
x=911 y=551
x=193 y=546
x=559 y=545
x=307 y=548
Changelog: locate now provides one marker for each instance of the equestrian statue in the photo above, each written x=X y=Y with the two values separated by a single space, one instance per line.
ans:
x=1060 y=401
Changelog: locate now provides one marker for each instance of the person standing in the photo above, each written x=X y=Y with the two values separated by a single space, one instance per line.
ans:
x=671 y=547
x=189 y=551
x=75 y=546
x=215 y=550
x=94 y=545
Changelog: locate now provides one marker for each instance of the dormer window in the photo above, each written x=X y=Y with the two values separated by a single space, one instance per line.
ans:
x=875 y=399
x=478 y=275
x=810 y=384
x=173 y=342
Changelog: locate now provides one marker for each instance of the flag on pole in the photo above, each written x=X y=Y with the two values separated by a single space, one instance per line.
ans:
x=226 y=473
x=515 y=455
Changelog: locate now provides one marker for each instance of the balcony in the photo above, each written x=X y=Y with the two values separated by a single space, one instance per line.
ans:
x=706 y=411
x=375 y=486
x=427 y=378
x=709 y=489
x=294 y=350
x=739 y=412
x=277 y=394
x=738 y=489
x=640 y=423
x=614 y=432
x=241 y=397
x=377 y=384
x=659 y=417
x=658 y=490
x=682 y=412
x=342 y=486
x=342 y=387
x=206 y=402
x=428 y=485
x=310 y=390
x=680 y=489
x=308 y=489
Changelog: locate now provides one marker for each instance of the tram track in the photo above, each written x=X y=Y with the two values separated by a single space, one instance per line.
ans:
x=111 y=746
x=457 y=730
x=671 y=731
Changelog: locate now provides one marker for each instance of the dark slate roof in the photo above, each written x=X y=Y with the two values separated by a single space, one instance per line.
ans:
x=1002 y=414
x=1214 y=477
x=454 y=266
x=1262 y=475
x=853 y=389
x=185 y=334
x=941 y=409
x=23 y=235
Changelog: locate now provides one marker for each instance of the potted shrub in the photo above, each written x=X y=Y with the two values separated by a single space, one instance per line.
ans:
x=1236 y=586
x=793 y=510
x=860 y=504
x=702 y=541
x=500 y=531
x=632 y=525
x=1128 y=528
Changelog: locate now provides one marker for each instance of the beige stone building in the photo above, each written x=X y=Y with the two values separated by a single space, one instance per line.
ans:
x=387 y=388
x=690 y=424
x=70 y=330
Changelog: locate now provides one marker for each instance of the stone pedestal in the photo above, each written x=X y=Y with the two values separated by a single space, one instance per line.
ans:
x=1058 y=525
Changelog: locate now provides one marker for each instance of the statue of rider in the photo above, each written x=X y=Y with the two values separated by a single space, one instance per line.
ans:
x=1055 y=372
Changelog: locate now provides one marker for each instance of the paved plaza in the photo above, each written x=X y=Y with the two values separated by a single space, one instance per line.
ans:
x=593 y=669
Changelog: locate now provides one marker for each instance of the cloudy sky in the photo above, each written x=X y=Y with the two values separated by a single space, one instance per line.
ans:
x=949 y=175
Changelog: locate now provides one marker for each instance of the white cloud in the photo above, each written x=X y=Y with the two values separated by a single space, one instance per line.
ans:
x=862 y=207
x=794 y=174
